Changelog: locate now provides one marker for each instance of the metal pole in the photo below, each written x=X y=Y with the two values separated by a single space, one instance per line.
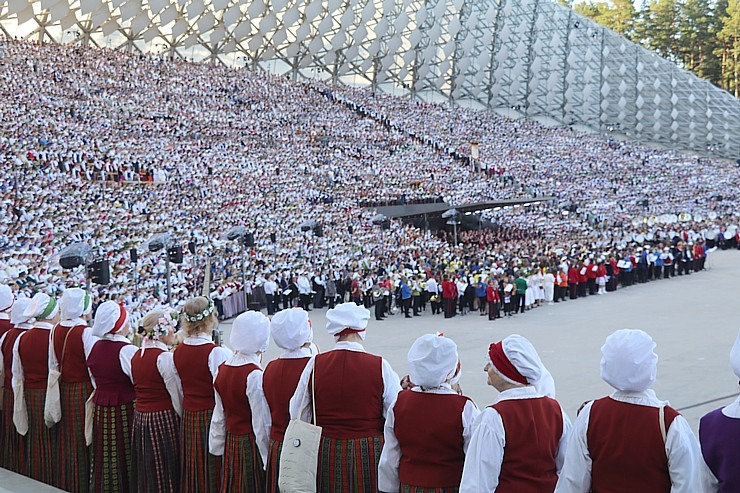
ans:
x=244 y=278
x=169 y=288
x=454 y=225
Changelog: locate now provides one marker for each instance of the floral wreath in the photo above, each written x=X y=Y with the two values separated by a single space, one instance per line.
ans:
x=165 y=324
x=201 y=315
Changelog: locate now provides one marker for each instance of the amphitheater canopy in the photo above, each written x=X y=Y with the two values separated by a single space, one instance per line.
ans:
x=535 y=57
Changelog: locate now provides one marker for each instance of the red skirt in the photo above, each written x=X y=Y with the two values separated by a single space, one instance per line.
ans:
x=112 y=458
x=405 y=488
x=349 y=465
x=156 y=444
x=41 y=442
x=200 y=471
x=243 y=470
x=74 y=454
x=273 y=466
x=12 y=445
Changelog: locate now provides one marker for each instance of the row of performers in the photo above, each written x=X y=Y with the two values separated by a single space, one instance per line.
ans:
x=204 y=419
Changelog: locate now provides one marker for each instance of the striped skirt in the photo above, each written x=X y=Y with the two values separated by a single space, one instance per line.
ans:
x=12 y=445
x=156 y=444
x=74 y=454
x=273 y=466
x=405 y=488
x=41 y=442
x=112 y=458
x=349 y=465
x=243 y=470
x=200 y=471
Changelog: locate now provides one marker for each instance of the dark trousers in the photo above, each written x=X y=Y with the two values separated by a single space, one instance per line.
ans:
x=592 y=286
x=379 y=309
x=573 y=290
x=492 y=310
x=520 y=302
x=286 y=302
x=482 y=302
x=270 y=303
x=406 y=306
x=306 y=301
x=449 y=304
x=416 y=304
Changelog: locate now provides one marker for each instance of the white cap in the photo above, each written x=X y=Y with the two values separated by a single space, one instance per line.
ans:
x=42 y=307
x=628 y=361
x=109 y=319
x=6 y=298
x=290 y=329
x=522 y=354
x=17 y=313
x=432 y=360
x=735 y=356
x=250 y=333
x=75 y=303
x=347 y=316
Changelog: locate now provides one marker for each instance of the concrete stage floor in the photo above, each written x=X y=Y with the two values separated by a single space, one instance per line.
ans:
x=693 y=319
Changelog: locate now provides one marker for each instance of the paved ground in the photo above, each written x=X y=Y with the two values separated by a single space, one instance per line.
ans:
x=693 y=319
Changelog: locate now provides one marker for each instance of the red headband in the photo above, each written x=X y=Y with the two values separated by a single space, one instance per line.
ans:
x=121 y=320
x=503 y=365
x=349 y=331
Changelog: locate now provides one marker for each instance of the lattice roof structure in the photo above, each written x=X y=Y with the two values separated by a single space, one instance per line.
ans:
x=532 y=56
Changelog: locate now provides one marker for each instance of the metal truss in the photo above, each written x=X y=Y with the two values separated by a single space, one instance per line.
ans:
x=533 y=56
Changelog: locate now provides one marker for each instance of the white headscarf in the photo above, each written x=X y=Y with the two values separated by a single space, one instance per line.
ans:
x=628 y=361
x=6 y=297
x=347 y=316
x=42 y=307
x=735 y=356
x=432 y=360
x=250 y=333
x=109 y=319
x=17 y=313
x=522 y=354
x=75 y=303
x=290 y=329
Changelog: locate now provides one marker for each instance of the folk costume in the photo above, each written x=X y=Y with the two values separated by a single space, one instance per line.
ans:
x=238 y=427
x=112 y=465
x=12 y=443
x=719 y=436
x=71 y=343
x=618 y=442
x=291 y=330
x=519 y=443
x=429 y=427
x=353 y=392
x=6 y=304
x=30 y=375
x=156 y=425
x=197 y=360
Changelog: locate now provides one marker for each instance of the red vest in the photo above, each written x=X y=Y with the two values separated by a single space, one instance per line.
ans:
x=33 y=349
x=279 y=382
x=151 y=392
x=191 y=363
x=112 y=386
x=533 y=431
x=5 y=326
x=349 y=394
x=7 y=349
x=627 y=448
x=429 y=430
x=72 y=363
x=231 y=384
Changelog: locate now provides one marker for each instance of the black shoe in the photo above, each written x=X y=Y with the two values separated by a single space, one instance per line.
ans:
x=409 y=316
x=379 y=319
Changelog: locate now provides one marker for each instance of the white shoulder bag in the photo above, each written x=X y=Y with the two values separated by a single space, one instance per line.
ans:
x=53 y=403
x=299 y=457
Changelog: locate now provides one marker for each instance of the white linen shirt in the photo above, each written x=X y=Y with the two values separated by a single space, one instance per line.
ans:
x=486 y=451
x=681 y=446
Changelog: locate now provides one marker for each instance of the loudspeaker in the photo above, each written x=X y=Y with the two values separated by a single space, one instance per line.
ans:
x=99 y=272
x=134 y=256
x=273 y=237
x=385 y=224
x=350 y=229
x=317 y=231
x=71 y=262
x=175 y=254
x=249 y=240
x=191 y=247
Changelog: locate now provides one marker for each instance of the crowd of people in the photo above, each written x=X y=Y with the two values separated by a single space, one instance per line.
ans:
x=84 y=409
x=108 y=148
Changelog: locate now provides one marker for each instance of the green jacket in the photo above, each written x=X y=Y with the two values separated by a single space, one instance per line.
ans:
x=521 y=285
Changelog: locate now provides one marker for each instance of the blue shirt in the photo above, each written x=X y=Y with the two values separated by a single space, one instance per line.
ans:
x=405 y=291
